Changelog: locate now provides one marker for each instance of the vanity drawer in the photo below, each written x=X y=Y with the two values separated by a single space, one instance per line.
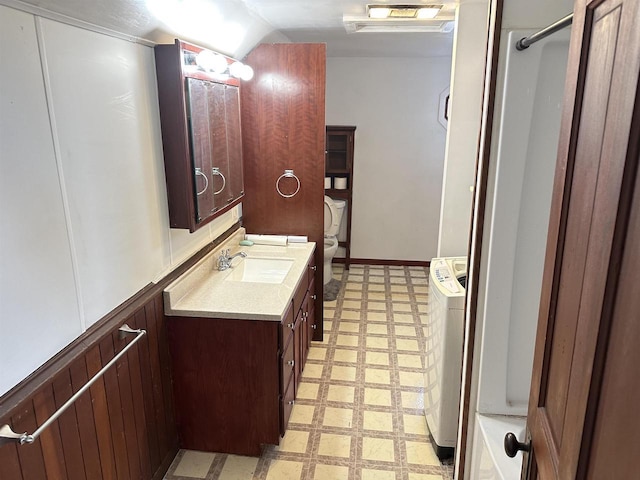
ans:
x=287 y=364
x=286 y=405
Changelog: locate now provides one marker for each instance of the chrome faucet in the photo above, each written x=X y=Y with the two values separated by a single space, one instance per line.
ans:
x=224 y=261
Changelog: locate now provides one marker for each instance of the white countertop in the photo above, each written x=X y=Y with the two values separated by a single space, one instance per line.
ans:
x=203 y=292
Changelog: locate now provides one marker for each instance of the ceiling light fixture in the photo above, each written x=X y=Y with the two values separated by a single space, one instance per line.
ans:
x=405 y=18
x=418 y=11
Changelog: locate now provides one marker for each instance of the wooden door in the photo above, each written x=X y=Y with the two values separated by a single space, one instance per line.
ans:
x=585 y=389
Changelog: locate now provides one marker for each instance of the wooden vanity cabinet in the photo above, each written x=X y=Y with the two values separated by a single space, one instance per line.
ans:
x=201 y=136
x=235 y=381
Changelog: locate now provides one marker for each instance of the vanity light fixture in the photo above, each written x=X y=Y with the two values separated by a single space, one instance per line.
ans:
x=214 y=62
x=417 y=11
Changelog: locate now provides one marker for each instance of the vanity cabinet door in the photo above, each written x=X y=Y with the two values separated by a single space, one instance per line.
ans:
x=219 y=171
x=234 y=142
x=297 y=337
x=202 y=145
x=286 y=405
x=311 y=318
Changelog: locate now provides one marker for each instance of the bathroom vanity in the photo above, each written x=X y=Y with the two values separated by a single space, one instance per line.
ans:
x=239 y=339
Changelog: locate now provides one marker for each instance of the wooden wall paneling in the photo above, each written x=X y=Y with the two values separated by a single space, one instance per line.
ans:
x=86 y=423
x=30 y=456
x=140 y=422
x=156 y=380
x=139 y=321
x=126 y=401
x=101 y=415
x=114 y=407
x=69 y=431
x=44 y=406
x=10 y=464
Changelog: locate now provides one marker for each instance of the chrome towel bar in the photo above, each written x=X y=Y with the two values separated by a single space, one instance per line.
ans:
x=7 y=434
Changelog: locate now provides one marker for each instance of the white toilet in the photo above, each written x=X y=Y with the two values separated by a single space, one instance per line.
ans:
x=332 y=217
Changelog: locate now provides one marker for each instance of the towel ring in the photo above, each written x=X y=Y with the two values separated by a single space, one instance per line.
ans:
x=287 y=174
x=206 y=181
x=216 y=171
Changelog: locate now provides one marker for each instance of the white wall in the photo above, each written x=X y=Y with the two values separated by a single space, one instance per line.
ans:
x=84 y=219
x=465 y=115
x=399 y=151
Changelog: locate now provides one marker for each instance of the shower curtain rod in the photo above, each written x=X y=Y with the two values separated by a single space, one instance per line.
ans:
x=545 y=32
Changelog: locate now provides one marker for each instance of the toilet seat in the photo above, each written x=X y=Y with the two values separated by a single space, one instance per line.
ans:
x=332 y=216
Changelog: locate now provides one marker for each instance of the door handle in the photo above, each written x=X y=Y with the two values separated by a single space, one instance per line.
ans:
x=512 y=446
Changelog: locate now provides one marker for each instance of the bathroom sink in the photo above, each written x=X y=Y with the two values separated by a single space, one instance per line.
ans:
x=260 y=270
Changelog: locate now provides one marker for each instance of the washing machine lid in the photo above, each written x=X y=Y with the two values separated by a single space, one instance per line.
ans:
x=445 y=275
x=331 y=218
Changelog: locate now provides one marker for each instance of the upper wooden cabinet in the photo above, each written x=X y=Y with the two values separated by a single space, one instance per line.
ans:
x=201 y=136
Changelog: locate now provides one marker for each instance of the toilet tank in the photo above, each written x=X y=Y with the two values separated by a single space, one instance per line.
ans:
x=332 y=216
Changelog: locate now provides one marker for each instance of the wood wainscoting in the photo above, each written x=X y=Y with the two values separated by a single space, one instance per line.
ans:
x=123 y=427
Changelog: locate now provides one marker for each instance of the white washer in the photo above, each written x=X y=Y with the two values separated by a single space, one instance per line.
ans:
x=445 y=335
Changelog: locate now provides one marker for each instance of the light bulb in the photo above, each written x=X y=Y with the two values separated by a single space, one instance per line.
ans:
x=220 y=64
x=428 y=12
x=236 y=69
x=379 y=12
x=247 y=73
x=211 y=62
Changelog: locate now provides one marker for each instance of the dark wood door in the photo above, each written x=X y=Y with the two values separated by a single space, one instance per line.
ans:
x=582 y=419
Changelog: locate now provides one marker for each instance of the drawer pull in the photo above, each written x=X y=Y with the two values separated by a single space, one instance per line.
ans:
x=291 y=363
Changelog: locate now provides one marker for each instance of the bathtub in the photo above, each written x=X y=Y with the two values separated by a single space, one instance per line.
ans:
x=489 y=460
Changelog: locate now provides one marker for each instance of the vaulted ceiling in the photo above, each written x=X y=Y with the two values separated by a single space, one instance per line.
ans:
x=235 y=26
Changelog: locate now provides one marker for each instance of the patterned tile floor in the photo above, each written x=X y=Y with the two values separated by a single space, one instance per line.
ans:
x=359 y=411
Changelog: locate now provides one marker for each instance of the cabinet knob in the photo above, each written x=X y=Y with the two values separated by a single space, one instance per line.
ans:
x=291 y=363
x=314 y=326
x=314 y=297
x=290 y=325
x=314 y=267
x=291 y=402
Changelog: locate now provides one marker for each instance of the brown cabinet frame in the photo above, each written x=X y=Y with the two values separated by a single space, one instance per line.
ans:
x=339 y=163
